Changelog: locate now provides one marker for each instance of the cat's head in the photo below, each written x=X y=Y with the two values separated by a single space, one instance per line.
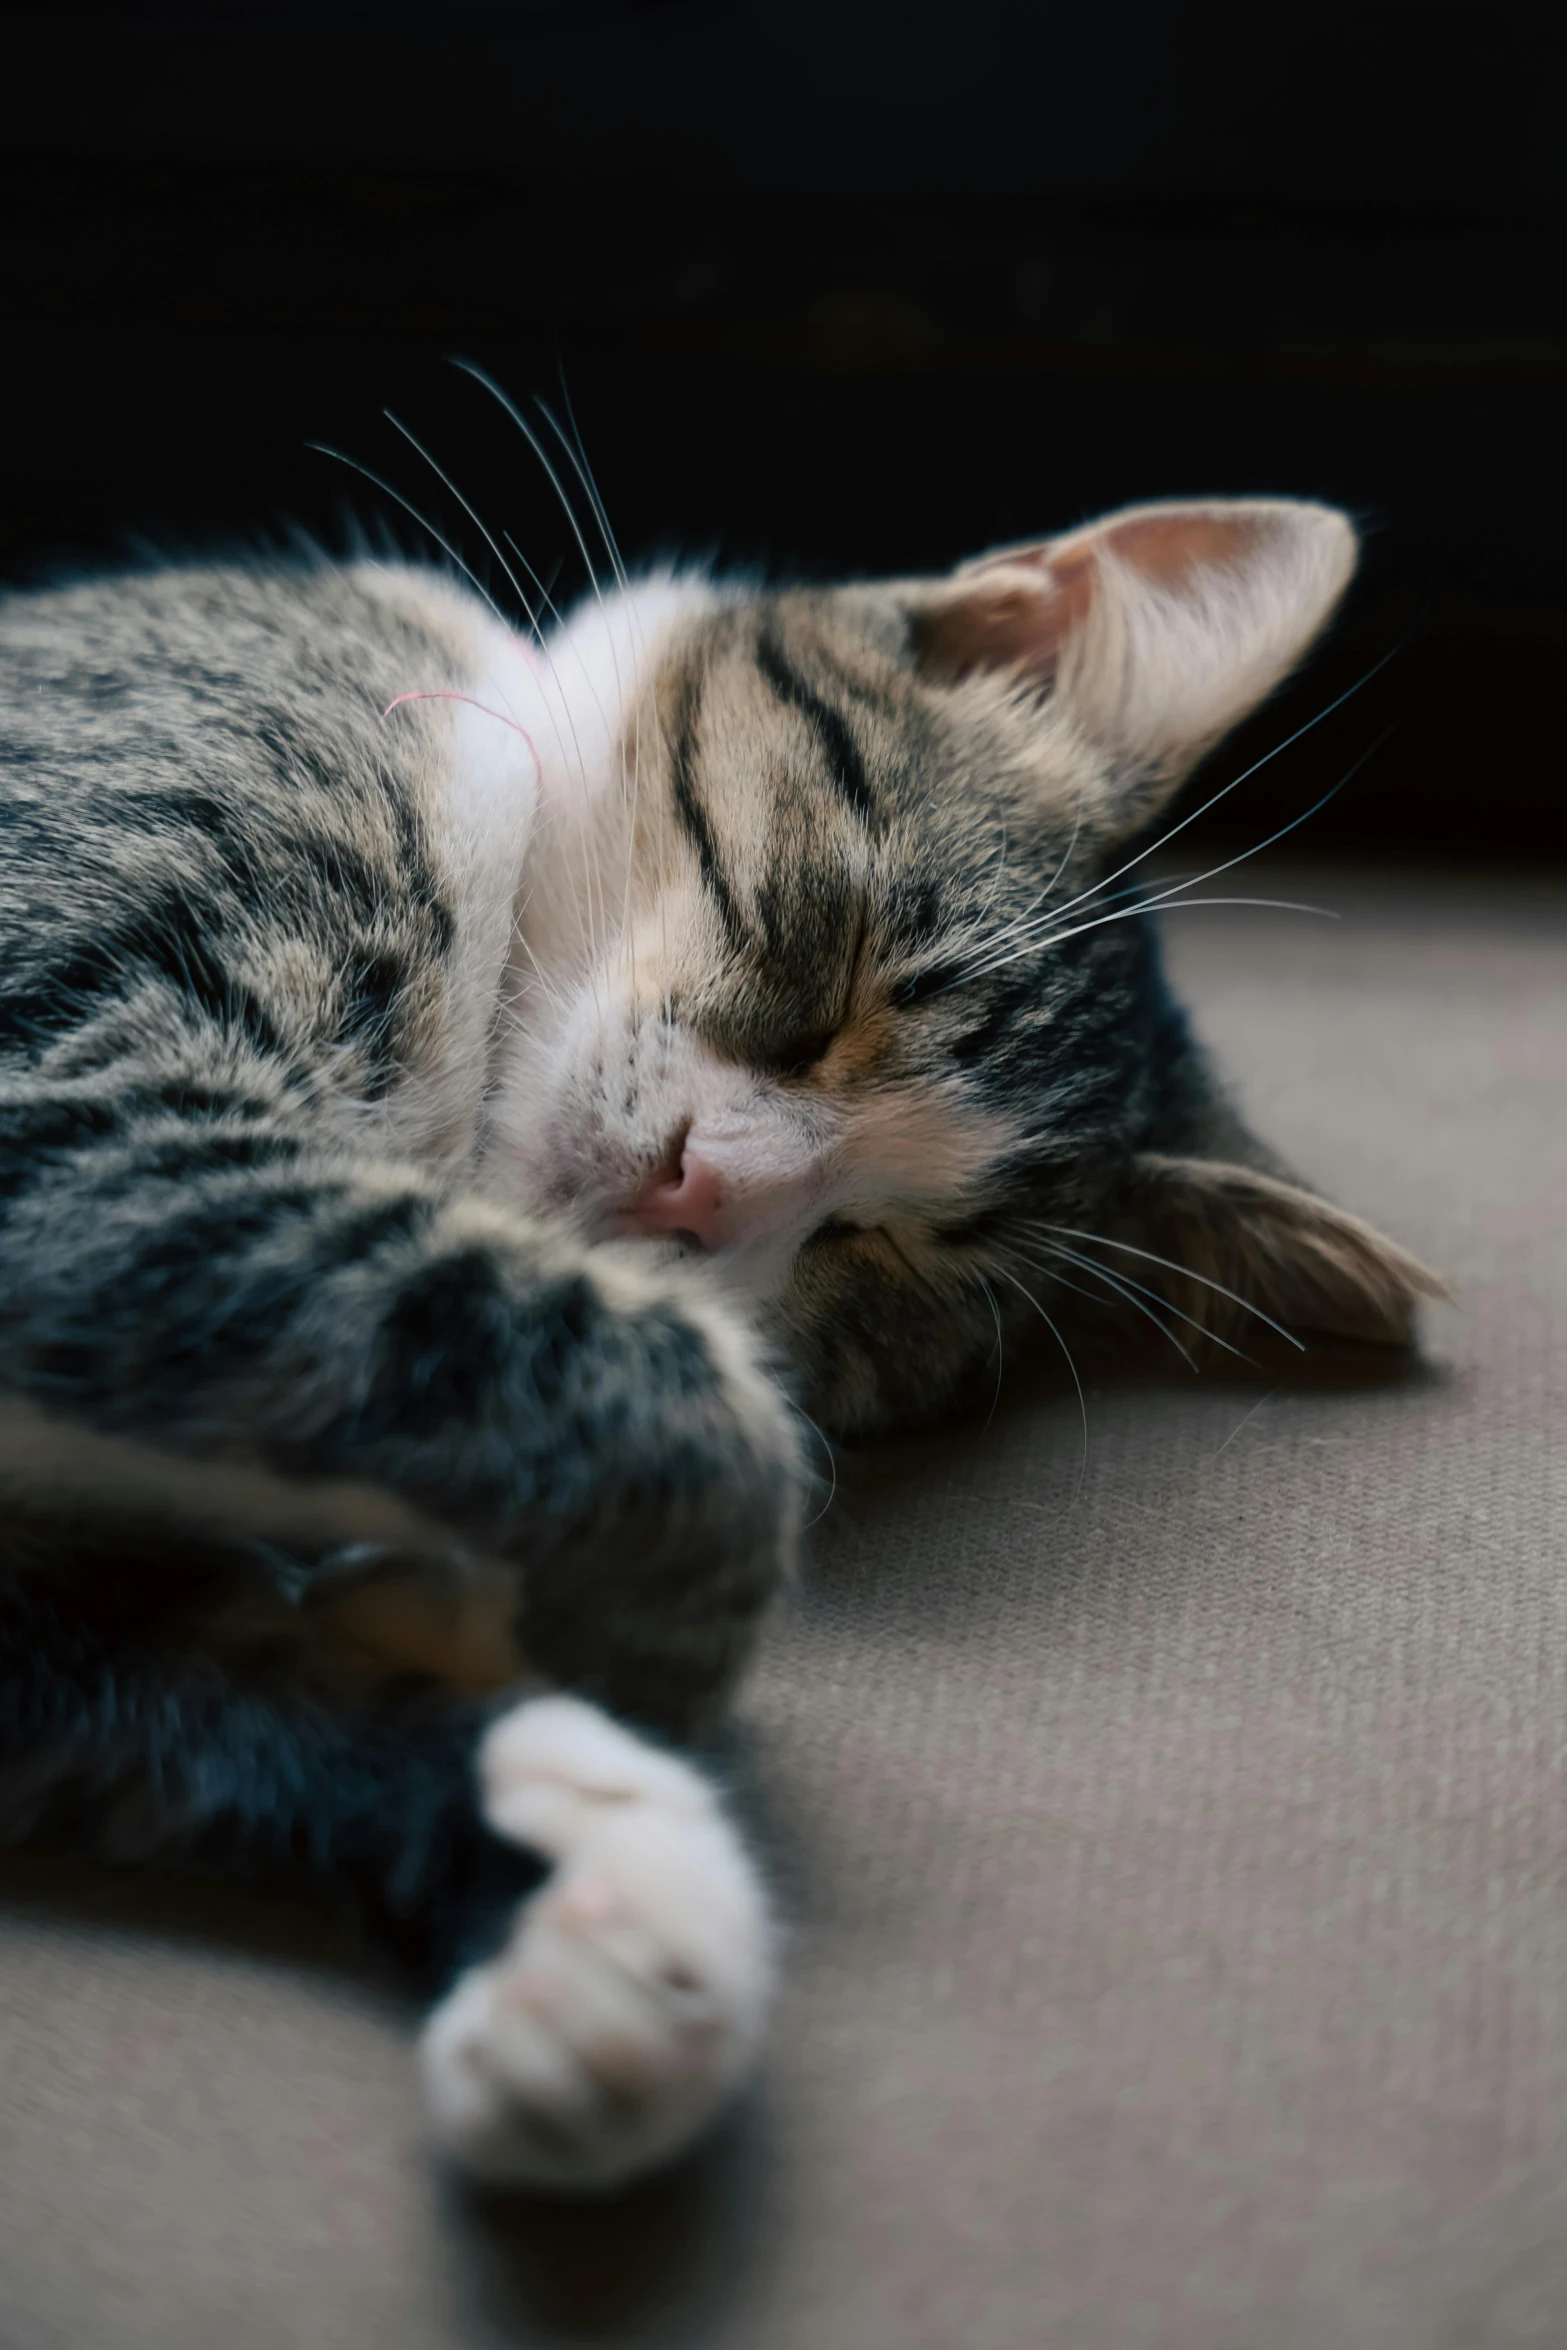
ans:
x=834 y=970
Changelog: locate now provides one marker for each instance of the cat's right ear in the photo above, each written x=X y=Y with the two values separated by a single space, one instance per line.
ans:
x=1155 y=630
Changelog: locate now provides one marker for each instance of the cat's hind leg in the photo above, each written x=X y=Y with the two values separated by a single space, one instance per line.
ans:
x=628 y=2000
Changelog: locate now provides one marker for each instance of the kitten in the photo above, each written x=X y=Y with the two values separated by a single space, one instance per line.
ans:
x=444 y=1081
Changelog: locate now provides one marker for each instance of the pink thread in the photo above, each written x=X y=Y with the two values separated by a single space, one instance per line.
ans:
x=433 y=696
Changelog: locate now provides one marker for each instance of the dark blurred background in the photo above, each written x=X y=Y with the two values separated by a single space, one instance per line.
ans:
x=835 y=285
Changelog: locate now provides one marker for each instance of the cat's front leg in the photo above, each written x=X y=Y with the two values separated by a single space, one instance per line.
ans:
x=214 y=1283
x=628 y=2000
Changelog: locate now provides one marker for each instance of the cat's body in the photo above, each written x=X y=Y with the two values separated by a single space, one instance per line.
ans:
x=389 y=1013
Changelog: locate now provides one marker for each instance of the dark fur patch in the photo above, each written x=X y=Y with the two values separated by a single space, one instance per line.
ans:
x=840 y=752
x=693 y=816
x=169 y=940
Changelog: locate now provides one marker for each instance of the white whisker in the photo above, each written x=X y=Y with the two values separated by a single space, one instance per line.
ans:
x=1244 y=776
x=578 y=455
x=1039 y=1265
x=1125 y=1281
x=1020 y=922
x=1102 y=1240
x=579 y=466
x=1024 y=923
x=832 y=1463
x=445 y=478
x=537 y=446
x=447 y=482
x=1172 y=894
x=322 y=449
x=488 y=383
x=1000 y=1349
x=1127 y=914
x=1082 y=1400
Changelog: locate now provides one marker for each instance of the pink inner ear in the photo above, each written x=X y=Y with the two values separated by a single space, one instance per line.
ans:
x=1016 y=609
x=1004 y=620
x=1166 y=547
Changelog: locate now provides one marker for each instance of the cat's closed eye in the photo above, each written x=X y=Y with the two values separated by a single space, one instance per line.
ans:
x=800 y=1053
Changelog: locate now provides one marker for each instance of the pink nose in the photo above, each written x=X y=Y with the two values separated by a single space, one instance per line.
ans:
x=692 y=1201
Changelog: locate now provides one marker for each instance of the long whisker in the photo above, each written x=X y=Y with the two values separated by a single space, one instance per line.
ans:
x=1038 y=1265
x=579 y=465
x=1012 y=929
x=1082 y=1400
x=549 y=604
x=1125 y=1281
x=575 y=450
x=517 y=589
x=322 y=449
x=537 y=446
x=488 y=536
x=488 y=383
x=1246 y=774
x=1172 y=895
x=479 y=376
x=1127 y=914
x=1000 y=1349
x=1095 y=1297
x=546 y=600
x=516 y=586
x=832 y=1463
x=1127 y=1248
x=577 y=455
x=1024 y=922
x=553 y=994
x=576 y=430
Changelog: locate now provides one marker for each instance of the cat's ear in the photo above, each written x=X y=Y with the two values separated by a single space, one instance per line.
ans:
x=1156 y=629
x=1305 y=1264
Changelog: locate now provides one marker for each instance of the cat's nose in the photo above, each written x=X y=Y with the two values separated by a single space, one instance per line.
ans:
x=692 y=1199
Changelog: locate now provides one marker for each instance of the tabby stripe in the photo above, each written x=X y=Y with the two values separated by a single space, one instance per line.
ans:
x=42 y=1132
x=693 y=817
x=839 y=748
x=210 y=1233
x=363 y=1232
x=202 y=1150
x=168 y=939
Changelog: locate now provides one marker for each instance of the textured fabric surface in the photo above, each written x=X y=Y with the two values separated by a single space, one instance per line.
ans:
x=1175 y=1846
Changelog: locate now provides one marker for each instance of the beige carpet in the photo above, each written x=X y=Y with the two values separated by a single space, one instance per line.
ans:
x=1177 y=1860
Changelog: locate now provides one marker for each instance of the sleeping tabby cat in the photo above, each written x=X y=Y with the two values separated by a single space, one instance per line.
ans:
x=458 y=1096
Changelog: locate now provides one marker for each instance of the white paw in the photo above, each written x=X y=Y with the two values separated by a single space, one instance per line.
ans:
x=629 y=1999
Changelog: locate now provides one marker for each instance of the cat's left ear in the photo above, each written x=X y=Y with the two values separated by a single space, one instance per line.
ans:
x=1215 y=1238
x=1155 y=629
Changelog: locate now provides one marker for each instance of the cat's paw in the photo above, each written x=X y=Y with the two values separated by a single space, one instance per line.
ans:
x=687 y=1503
x=628 y=2001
